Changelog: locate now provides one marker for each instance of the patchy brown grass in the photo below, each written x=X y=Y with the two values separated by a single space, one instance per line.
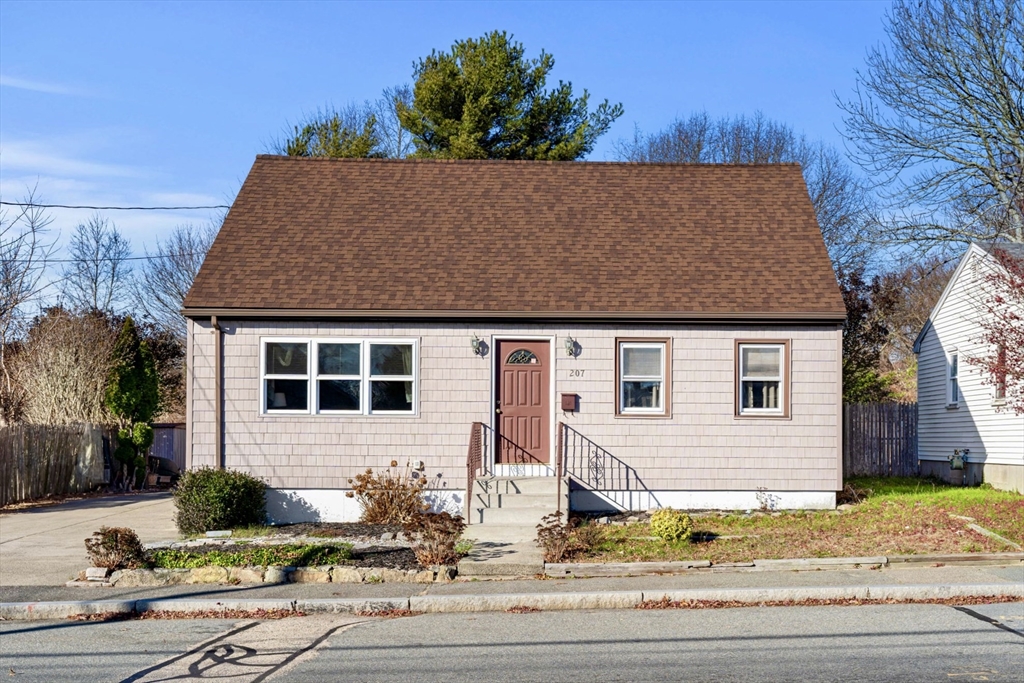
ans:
x=664 y=603
x=522 y=609
x=899 y=517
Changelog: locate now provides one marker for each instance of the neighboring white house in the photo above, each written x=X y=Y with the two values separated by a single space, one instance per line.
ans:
x=957 y=409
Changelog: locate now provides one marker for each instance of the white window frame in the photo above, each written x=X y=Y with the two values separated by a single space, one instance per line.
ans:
x=621 y=380
x=313 y=378
x=264 y=376
x=953 y=392
x=780 y=378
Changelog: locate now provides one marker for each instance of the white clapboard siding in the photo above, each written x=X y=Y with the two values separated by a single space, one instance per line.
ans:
x=992 y=435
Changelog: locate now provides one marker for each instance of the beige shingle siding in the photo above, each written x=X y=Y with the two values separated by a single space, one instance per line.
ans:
x=702 y=446
x=992 y=436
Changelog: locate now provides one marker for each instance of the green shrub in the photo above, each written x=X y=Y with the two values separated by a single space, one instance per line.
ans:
x=115 y=548
x=671 y=525
x=208 y=499
x=288 y=555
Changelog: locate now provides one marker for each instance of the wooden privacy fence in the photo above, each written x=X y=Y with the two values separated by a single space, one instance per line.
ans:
x=42 y=460
x=880 y=440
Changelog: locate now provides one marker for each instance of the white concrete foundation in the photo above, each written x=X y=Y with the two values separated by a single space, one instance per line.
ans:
x=291 y=506
x=600 y=501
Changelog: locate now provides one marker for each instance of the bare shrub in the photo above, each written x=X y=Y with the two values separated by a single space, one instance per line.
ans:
x=115 y=548
x=434 y=537
x=394 y=496
x=62 y=368
x=563 y=541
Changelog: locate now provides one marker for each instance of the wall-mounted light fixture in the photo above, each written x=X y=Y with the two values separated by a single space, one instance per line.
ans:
x=570 y=346
x=477 y=345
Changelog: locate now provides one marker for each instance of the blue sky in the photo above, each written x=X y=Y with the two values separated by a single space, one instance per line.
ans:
x=168 y=103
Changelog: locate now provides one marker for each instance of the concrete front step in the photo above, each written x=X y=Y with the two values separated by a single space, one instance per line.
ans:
x=517 y=501
x=513 y=516
x=497 y=533
x=517 y=485
x=503 y=559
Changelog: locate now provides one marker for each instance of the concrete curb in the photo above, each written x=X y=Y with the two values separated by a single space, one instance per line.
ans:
x=492 y=603
x=611 y=569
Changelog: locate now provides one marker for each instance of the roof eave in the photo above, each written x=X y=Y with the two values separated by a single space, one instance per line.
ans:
x=200 y=312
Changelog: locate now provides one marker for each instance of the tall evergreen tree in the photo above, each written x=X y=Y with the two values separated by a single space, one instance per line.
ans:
x=132 y=396
x=485 y=100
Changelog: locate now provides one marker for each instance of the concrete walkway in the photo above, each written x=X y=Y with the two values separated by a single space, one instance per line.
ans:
x=45 y=546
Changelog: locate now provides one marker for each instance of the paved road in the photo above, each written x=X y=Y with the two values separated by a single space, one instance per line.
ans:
x=45 y=546
x=873 y=643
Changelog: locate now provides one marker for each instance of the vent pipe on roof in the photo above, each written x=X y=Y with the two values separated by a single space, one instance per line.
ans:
x=218 y=401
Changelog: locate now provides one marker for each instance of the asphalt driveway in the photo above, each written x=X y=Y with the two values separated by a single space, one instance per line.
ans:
x=45 y=546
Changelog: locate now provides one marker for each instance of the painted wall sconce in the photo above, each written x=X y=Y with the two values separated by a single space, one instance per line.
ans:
x=570 y=346
x=477 y=345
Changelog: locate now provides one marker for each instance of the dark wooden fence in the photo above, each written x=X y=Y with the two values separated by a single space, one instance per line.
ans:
x=40 y=460
x=880 y=440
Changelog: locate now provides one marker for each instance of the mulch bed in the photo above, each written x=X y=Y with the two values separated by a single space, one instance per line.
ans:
x=356 y=530
x=385 y=558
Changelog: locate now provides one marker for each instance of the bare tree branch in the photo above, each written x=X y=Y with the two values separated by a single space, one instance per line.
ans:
x=25 y=248
x=99 y=270
x=840 y=200
x=161 y=286
x=938 y=117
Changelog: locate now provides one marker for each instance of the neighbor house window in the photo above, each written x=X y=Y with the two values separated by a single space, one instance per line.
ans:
x=954 y=379
x=761 y=382
x=642 y=377
x=340 y=376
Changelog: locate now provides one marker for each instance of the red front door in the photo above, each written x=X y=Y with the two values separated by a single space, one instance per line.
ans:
x=523 y=395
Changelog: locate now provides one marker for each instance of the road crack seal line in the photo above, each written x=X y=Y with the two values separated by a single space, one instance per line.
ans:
x=988 y=620
x=198 y=648
x=309 y=648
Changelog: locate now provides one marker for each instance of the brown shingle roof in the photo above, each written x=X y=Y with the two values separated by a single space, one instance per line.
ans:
x=535 y=238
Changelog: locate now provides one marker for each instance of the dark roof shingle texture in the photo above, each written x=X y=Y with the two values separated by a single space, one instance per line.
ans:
x=519 y=237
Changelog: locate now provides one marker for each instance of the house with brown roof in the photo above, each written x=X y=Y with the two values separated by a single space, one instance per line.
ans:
x=598 y=335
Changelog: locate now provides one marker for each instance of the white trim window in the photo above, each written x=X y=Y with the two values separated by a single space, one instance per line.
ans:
x=642 y=378
x=761 y=379
x=339 y=376
x=953 y=376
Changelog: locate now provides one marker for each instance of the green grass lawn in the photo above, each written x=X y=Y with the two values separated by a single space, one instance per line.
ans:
x=898 y=516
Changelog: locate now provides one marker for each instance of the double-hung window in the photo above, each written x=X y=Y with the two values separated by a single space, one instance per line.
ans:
x=761 y=385
x=286 y=377
x=339 y=376
x=642 y=377
x=954 y=381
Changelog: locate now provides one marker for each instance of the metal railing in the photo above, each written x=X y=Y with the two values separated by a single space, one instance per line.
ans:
x=594 y=468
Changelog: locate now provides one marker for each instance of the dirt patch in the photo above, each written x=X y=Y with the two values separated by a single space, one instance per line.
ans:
x=50 y=501
x=347 y=530
x=380 y=557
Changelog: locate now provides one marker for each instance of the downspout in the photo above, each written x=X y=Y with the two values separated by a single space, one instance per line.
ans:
x=218 y=402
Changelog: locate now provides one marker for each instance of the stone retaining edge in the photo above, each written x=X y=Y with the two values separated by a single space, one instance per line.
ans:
x=491 y=603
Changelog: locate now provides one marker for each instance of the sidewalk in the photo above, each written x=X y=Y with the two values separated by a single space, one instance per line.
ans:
x=901 y=582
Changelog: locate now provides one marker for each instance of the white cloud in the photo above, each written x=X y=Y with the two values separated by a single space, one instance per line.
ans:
x=33 y=158
x=37 y=86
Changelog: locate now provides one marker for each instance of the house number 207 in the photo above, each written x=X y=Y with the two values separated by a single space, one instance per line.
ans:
x=576 y=373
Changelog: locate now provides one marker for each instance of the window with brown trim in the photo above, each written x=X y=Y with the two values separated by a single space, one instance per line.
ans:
x=642 y=377
x=762 y=378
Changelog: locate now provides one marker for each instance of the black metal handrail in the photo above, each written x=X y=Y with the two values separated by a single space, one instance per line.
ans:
x=593 y=466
